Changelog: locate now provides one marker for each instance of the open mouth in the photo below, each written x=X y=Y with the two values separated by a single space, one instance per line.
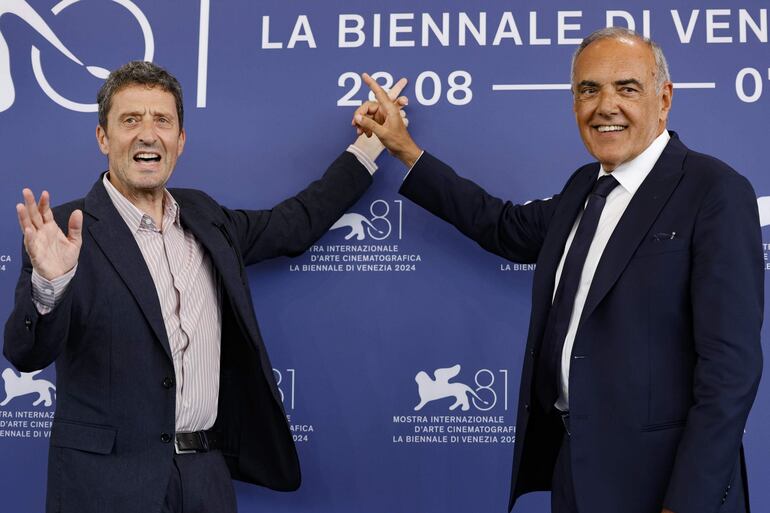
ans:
x=147 y=157
x=610 y=128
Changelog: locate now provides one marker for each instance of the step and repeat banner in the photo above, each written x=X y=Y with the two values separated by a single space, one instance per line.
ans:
x=397 y=343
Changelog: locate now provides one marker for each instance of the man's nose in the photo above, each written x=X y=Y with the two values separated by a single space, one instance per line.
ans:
x=147 y=133
x=608 y=103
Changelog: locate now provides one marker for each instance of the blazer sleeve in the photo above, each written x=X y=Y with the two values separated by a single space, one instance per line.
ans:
x=33 y=341
x=515 y=232
x=290 y=227
x=727 y=291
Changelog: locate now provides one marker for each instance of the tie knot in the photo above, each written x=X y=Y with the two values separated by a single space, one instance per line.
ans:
x=604 y=186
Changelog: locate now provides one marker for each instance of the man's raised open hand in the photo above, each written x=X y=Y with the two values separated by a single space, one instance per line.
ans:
x=51 y=251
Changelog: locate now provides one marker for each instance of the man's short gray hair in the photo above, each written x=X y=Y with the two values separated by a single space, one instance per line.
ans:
x=661 y=73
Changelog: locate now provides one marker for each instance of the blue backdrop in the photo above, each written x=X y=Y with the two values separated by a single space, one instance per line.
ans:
x=270 y=89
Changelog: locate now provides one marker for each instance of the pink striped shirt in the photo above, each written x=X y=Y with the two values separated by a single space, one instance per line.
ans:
x=187 y=291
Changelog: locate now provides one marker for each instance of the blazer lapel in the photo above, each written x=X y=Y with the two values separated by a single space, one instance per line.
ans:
x=213 y=236
x=571 y=203
x=114 y=238
x=636 y=221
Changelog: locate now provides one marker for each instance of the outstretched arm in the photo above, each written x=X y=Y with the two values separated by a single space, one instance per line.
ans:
x=293 y=225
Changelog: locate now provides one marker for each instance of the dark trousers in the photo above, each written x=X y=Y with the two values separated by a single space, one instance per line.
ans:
x=563 y=491
x=200 y=483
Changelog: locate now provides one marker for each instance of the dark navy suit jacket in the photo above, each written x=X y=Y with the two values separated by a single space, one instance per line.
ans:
x=110 y=449
x=666 y=360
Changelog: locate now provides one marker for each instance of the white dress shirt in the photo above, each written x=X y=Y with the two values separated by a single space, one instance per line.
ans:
x=630 y=176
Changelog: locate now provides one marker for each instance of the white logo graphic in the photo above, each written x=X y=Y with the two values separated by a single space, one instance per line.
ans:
x=17 y=386
x=356 y=224
x=440 y=388
x=23 y=10
x=763 y=203
x=379 y=226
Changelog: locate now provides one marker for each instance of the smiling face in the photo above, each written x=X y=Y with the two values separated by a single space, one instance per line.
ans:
x=142 y=140
x=617 y=108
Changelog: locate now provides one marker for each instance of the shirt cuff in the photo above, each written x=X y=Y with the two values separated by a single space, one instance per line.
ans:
x=46 y=294
x=415 y=163
x=363 y=158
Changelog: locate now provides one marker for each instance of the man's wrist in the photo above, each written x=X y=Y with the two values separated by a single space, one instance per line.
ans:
x=369 y=146
x=46 y=293
x=410 y=155
x=362 y=158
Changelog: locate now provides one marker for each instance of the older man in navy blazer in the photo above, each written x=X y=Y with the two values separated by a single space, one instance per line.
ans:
x=643 y=354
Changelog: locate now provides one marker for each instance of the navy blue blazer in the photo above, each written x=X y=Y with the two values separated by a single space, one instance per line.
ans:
x=667 y=358
x=115 y=410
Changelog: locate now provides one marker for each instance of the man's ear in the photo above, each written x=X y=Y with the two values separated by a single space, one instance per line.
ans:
x=102 y=140
x=667 y=96
x=182 y=138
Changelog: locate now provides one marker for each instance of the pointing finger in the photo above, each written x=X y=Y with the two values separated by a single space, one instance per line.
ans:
x=379 y=93
x=397 y=88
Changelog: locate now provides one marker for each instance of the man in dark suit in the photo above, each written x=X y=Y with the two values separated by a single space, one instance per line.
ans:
x=163 y=379
x=643 y=354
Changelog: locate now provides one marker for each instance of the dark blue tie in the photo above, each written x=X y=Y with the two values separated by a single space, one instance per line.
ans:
x=549 y=361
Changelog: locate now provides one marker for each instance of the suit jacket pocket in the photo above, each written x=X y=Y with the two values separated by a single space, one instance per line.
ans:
x=658 y=426
x=83 y=437
x=654 y=247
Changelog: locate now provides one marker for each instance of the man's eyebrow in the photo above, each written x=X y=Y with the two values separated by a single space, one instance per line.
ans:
x=138 y=113
x=588 y=83
x=629 y=81
x=141 y=113
x=163 y=113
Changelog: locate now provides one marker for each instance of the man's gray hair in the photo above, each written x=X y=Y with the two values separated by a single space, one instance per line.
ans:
x=661 y=73
x=141 y=73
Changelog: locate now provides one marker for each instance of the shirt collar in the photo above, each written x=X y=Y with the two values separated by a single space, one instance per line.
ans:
x=631 y=174
x=135 y=218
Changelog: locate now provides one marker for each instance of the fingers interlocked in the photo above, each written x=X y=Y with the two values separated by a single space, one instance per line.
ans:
x=385 y=104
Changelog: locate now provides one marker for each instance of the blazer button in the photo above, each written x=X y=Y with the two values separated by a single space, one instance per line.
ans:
x=165 y=438
x=526 y=407
x=28 y=323
x=168 y=382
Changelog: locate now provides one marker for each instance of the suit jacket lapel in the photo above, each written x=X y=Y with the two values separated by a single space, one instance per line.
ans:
x=571 y=202
x=116 y=241
x=636 y=221
x=213 y=236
